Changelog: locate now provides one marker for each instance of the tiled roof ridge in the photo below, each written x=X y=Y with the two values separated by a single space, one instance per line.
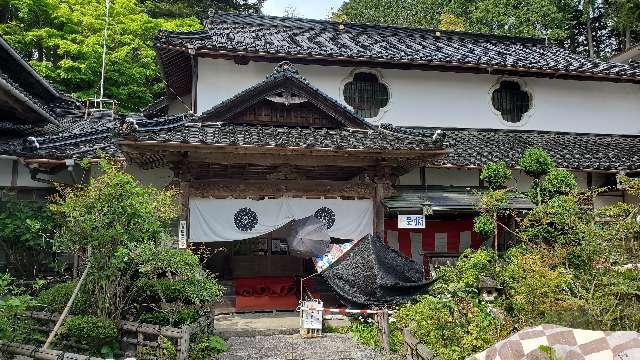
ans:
x=517 y=131
x=306 y=23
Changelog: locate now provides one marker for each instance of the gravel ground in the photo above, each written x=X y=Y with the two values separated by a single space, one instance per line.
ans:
x=283 y=347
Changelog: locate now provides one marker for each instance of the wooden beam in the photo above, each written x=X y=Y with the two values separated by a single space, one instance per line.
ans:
x=166 y=147
x=268 y=159
x=249 y=189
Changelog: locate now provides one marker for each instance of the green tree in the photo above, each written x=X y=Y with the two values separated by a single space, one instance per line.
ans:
x=586 y=26
x=188 y=8
x=625 y=15
x=63 y=40
x=25 y=238
x=114 y=217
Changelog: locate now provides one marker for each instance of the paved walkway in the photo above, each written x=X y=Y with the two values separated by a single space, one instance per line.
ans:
x=259 y=324
x=294 y=347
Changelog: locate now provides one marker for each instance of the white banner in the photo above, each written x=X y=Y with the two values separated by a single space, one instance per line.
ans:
x=237 y=219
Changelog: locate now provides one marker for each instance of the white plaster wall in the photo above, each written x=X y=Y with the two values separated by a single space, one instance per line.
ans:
x=411 y=178
x=452 y=177
x=6 y=167
x=178 y=107
x=422 y=98
x=159 y=178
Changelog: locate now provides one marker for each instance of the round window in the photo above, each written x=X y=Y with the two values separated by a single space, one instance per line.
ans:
x=366 y=94
x=511 y=101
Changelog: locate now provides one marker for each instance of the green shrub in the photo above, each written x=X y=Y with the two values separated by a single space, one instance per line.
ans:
x=496 y=175
x=94 y=332
x=452 y=328
x=54 y=299
x=167 y=351
x=190 y=291
x=535 y=162
x=171 y=317
x=365 y=332
x=484 y=225
x=207 y=348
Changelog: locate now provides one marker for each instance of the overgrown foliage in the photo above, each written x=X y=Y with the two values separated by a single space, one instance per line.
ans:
x=208 y=347
x=571 y=268
x=55 y=299
x=496 y=175
x=127 y=229
x=25 y=238
x=100 y=335
x=13 y=302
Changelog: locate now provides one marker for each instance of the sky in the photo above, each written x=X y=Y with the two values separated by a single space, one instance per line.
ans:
x=314 y=9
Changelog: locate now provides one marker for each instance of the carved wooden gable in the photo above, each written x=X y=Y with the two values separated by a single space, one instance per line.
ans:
x=285 y=99
x=268 y=112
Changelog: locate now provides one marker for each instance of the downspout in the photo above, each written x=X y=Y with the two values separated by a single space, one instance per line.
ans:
x=35 y=171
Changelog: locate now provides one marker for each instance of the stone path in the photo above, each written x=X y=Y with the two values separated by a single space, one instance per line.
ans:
x=293 y=347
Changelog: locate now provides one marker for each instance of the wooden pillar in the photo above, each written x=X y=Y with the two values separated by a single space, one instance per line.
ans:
x=194 y=81
x=185 y=193
x=378 y=209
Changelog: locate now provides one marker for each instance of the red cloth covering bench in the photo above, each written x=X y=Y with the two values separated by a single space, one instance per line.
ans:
x=267 y=293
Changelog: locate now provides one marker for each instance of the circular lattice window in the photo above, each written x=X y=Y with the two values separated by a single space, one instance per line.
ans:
x=245 y=219
x=511 y=100
x=366 y=94
x=326 y=215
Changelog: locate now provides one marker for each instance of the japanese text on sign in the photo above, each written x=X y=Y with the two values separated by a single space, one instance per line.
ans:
x=411 y=222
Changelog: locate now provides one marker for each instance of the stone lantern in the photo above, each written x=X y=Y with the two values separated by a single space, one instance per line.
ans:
x=488 y=288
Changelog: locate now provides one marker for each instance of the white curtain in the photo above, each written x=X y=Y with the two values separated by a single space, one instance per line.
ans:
x=237 y=219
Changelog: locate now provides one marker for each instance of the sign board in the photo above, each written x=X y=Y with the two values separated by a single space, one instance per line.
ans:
x=312 y=319
x=182 y=235
x=411 y=222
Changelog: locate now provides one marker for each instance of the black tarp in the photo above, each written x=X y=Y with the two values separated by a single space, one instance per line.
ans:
x=373 y=274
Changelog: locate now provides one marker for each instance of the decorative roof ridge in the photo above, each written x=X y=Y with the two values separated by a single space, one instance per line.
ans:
x=519 y=131
x=299 y=23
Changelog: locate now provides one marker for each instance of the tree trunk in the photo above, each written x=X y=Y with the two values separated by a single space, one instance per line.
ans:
x=627 y=39
x=592 y=52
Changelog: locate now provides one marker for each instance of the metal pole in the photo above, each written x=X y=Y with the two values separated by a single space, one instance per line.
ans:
x=104 y=51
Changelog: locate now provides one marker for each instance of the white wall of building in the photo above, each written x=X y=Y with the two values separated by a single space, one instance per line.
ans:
x=423 y=98
x=159 y=177
x=452 y=177
x=6 y=167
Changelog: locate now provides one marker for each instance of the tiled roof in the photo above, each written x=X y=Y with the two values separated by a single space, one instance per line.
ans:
x=293 y=38
x=443 y=199
x=476 y=147
x=466 y=147
x=29 y=100
x=76 y=138
x=282 y=137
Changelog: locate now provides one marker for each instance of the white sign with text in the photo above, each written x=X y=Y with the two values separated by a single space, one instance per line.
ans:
x=411 y=222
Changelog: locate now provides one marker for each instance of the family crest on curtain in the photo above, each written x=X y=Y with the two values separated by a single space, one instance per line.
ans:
x=213 y=220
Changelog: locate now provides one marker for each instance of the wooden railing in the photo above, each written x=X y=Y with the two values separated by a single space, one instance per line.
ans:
x=414 y=349
x=133 y=336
